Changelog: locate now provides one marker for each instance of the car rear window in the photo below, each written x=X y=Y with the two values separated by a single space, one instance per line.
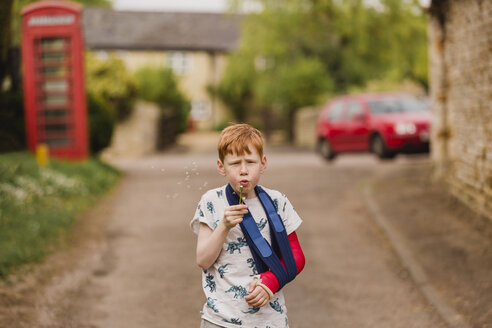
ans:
x=385 y=106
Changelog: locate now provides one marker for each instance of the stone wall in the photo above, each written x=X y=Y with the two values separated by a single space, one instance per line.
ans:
x=460 y=34
x=137 y=135
x=305 y=127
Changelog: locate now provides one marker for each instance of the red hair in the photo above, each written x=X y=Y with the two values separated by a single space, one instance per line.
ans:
x=235 y=139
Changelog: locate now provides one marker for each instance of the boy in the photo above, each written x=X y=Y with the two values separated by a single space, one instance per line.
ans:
x=242 y=274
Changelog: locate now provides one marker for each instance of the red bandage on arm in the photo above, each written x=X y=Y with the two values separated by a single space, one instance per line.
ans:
x=270 y=280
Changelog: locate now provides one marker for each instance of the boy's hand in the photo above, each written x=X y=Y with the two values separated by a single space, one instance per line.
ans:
x=234 y=215
x=258 y=296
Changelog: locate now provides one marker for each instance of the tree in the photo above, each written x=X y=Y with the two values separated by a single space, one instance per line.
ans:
x=6 y=10
x=294 y=84
x=235 y=89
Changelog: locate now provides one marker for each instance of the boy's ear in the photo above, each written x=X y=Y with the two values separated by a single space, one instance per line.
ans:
x=220 y=167
x=263 y=164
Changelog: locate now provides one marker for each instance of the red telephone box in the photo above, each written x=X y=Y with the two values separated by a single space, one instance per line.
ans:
x=54 y=89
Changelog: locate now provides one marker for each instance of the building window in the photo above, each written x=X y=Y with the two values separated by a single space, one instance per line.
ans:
x=180 y=62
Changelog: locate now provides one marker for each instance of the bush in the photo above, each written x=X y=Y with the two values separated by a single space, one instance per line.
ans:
x=12 y=125
x=102 y=120
x=159 y=85
x=110 y=80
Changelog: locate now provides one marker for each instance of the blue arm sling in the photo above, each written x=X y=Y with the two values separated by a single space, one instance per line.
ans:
x=265 y=256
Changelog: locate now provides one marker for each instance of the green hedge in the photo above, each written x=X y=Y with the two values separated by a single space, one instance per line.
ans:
x=102 y=120
x=110 y=80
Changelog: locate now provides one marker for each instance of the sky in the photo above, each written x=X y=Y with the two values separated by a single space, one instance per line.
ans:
x=183 y=5
x=172 y=5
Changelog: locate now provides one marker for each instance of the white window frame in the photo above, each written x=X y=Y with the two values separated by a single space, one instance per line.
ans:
x=180 y=62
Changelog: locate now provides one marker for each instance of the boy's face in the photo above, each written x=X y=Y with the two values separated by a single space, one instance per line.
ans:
x=244 y=170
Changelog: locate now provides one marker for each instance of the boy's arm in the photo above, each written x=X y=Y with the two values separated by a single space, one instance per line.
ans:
x=210 y=241
x=270 y=280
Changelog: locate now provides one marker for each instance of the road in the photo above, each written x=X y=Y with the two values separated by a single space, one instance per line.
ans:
x=141 y=272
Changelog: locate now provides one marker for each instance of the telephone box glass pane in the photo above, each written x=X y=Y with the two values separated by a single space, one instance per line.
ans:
x=50 y=44
x=54 y=94
x=55 y=100
x=58 y=71
x=60 y=86
x=61 y=113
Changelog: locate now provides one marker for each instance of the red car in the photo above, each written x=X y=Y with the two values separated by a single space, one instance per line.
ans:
x=384 y=123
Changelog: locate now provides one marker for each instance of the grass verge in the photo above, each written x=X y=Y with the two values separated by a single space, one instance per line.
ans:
x=39 y=204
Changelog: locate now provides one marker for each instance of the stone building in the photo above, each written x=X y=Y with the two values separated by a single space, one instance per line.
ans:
x=193 y=45
x=460 y=35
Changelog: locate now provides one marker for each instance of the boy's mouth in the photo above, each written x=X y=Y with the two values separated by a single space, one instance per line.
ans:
x=244 y=182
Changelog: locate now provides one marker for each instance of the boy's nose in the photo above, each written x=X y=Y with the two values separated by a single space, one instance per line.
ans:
x=243 y=169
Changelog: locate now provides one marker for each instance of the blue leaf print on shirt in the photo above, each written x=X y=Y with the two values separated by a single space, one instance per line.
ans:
x=211 y=304
x=275 y=204
x=200 y=210
x=276 y=306
x=220 y=193
x=235 y=321
x=239 y=291
x=216 y=223
x=222 y=269
x=236 y=245
x=284 y=207
x=252 y=310
x=210 y=283
x=261 y=224
x=210 y=207
x=252 y=265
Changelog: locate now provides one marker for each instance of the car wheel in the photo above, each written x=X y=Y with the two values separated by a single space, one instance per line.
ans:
x=325 y=149
x=379 y=148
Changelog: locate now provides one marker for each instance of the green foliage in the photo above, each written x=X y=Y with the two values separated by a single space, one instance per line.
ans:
x=110 y=80
x=39 y=204
x=102 y=119
x=296 y=84
x=159 y=85
x=235 y=89
x=299 y=83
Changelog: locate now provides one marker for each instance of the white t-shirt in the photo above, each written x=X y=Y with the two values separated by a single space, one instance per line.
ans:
x=227 y=281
